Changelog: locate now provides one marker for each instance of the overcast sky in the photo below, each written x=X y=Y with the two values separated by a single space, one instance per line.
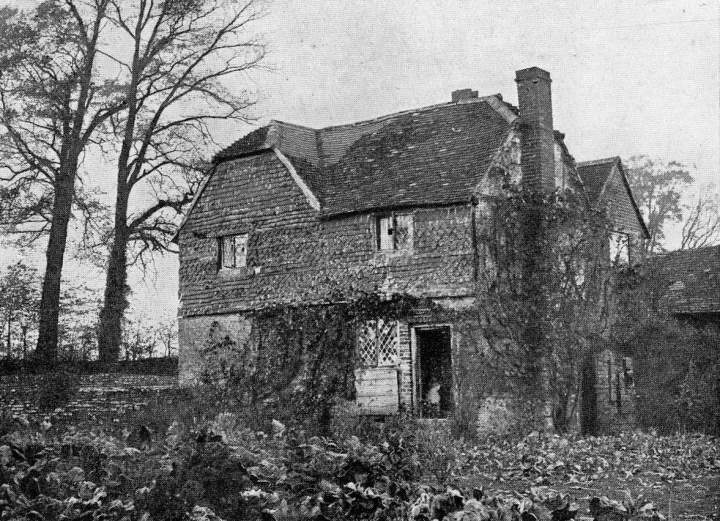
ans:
x=629 y=77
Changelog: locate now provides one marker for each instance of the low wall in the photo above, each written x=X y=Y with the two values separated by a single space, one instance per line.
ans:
x=100 y=396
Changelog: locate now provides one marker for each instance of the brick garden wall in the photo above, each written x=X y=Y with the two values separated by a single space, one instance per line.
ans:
x=100 y=396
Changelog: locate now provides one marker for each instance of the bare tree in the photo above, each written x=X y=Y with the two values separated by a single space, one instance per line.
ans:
x=702 y=224
x=167 y=333
x=51 y=110
x=180 y=57
x=19 y=287
x=657 y=187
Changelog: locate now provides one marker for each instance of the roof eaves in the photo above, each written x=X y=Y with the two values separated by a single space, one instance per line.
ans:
x=334 y=214
x=502 y=108
x=640 y=218
x=496 y=159
x=309 y=195
x=194 y=201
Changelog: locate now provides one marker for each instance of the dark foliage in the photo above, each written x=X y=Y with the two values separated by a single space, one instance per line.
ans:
x=155 y=366
x=677 y=374
x=56 y=388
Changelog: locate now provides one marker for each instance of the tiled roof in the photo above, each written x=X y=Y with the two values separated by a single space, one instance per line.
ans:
x=594 y=174
x=254 y=141
x=599 y=186
x=692 y=279
x=432 y=155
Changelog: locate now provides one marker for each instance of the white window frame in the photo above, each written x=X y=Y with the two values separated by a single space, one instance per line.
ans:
x=386 y=225
x=233 y=251
x=619 y=248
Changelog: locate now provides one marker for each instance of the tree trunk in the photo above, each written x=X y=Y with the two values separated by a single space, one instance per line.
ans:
x=24 y=341
x=116 y=290
x=9 y=345
x=46 y=351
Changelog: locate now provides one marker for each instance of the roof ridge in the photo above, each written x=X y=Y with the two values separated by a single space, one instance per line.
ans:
x=273 y=127
x=288 y=123
x=687 y=251
x=595 y=162
x=377 y=119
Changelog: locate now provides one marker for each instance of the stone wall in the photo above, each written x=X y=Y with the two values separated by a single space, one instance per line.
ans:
x=100 y=396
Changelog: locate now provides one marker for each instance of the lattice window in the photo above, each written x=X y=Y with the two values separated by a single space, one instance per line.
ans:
x=378 y=343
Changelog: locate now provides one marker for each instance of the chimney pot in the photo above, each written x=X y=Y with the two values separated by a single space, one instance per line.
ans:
x=464 y=95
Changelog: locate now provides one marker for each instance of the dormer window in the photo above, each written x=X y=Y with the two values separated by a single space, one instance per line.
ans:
x=233 y=251
x=395 y=232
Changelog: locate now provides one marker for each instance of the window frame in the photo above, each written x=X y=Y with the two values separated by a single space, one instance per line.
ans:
x=392 y=217
x=619 y=248
x=222 y=242
x=376 y=326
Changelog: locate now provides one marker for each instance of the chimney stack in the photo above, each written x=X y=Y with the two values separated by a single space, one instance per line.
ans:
x=464 y=95
x=537 y=142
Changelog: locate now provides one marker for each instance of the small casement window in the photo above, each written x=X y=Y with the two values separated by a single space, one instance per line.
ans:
x=233 y=251
x=627 y=371
x=378 y=343
x=395 y=232
x=619 y=248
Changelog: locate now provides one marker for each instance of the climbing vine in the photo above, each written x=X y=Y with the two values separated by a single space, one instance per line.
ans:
x=300 y=357
x=544 y=292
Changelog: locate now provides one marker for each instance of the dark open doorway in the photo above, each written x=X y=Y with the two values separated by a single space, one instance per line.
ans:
x=434 y=363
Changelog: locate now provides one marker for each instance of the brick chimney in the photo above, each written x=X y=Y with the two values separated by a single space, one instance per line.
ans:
x=463 y=95
x=537 y=142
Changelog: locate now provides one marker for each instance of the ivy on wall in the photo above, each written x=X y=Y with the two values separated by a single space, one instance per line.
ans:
x=544 y=293
x=300 y=357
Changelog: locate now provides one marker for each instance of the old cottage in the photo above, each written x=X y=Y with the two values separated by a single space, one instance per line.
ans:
x=391 y=204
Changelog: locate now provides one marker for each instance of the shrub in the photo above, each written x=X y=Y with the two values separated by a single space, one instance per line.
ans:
x=443 y=456
x=676 y=377
x=494 y=418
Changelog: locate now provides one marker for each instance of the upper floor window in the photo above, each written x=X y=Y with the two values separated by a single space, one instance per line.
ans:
x=619 y=248
x=395 y=232
x=233 y=251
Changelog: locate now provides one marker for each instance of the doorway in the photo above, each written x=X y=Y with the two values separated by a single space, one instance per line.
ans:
x=434 y=371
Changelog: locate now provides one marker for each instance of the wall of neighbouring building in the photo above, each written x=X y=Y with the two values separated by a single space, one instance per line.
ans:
x=100 y=396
